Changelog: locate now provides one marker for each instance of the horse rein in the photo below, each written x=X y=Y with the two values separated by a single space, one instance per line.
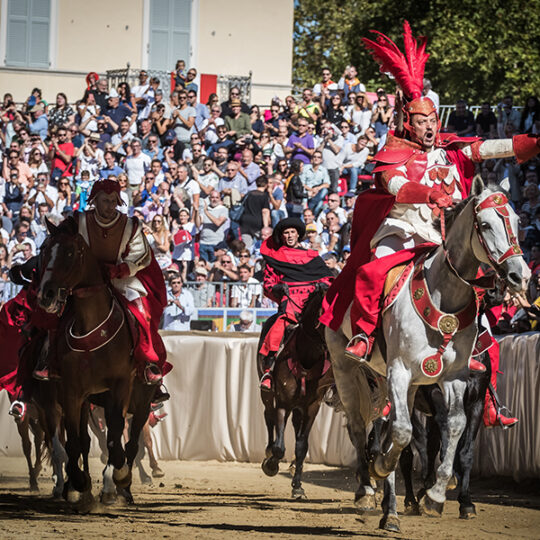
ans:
x=498 y=201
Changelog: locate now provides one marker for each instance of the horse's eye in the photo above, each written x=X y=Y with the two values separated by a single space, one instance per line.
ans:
x=485 y=226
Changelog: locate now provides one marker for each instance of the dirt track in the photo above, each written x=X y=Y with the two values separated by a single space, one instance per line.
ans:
x=234 y=500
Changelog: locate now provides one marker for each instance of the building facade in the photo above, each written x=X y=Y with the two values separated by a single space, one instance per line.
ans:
x=53 y=44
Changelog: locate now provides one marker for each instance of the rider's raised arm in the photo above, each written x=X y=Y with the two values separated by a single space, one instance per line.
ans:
x=137 y=254
x=524 y=147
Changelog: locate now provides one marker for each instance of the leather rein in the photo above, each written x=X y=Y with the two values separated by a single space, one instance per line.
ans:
x=497 y=201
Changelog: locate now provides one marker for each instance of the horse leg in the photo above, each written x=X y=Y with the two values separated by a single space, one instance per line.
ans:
x=77 y=479
x=149 y=445
x=269 y=465
x=114 y=416
x=354 y=393
x=303 y=422
x=24 y=431
x=401 y=394
x=144 y=477
x=406 y=466
x=58 y=458
x=465 y=456
x=85 y=437
x=39 y=436
x=278 y=449
x=390 y=519
x=433 y=501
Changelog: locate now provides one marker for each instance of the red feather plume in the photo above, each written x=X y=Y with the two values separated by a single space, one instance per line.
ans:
x=408 y=68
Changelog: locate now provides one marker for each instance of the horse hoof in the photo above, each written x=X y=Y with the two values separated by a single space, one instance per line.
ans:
x=157 y=473
x=145 y=480
x=467 y=512
x=270 y=466
x=298 y=494
x=373 y=472
x=412 y=509
x=34 y=486
x=86 y=502
x=431 y=508
x=292 y=468
x=57 y=492
x=390 y=523
x=366 y=504
x=73 y=496
x=452 y=483
x=278 y=453
x=126 y=494
x=122 y=477
x=108 y=498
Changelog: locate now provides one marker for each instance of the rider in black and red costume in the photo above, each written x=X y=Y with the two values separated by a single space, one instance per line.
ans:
x=290 y=275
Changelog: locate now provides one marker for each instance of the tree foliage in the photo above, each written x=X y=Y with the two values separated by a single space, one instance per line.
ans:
x=480 y=50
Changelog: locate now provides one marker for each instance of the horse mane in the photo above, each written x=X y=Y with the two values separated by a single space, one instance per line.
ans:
x=67 y=226
x=313 y=302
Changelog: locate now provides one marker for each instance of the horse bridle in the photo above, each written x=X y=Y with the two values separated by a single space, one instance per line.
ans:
x=498 y=202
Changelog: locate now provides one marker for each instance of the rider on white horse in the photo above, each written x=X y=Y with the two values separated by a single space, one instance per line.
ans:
x=418 y=172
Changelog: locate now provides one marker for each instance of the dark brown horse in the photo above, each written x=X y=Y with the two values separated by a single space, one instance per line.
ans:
x=73 y=286
x=301 y=377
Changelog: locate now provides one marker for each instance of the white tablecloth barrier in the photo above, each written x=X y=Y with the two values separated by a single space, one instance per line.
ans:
x=215 y=411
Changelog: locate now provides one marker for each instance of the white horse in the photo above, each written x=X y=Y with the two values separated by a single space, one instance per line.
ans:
x=427 y=336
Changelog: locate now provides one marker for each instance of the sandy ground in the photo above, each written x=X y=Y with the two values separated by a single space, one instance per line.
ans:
x=236 y=500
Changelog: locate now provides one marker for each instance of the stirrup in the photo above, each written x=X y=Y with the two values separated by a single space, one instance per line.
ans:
x=266 y=382
x=512 y=421
x=18 y=410
x=152 y=374
x=352 y=342
x=160 y=395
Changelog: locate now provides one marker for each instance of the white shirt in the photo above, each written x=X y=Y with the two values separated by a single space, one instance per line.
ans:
x=175 y=318
x=244 y=292
x=136 y=167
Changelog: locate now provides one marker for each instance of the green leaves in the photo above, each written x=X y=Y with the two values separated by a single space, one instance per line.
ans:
x=480 y=50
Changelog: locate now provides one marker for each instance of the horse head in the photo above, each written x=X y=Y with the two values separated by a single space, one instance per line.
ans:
x=496 y=239
x=309 y=319
x=62 y=265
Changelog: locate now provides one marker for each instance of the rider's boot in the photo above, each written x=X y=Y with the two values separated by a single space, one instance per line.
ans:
x=476 y=366
x=359 y=347
x=266 y=383
x=45 y=369
x=160 y=395
x=492 y=409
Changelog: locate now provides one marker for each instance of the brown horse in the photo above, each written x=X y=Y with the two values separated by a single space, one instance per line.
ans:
x=73 y=286
x=301 y=377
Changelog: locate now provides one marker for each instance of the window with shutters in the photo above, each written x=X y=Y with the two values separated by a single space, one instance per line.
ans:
x=27 y=37
x=170 y=24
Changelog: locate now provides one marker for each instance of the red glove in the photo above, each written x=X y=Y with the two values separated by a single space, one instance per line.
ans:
x=415 y=193
x=440 y=198
x=117 y=271
x=525 y=147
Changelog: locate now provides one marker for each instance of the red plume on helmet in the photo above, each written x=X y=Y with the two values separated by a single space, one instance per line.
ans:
x=408 y=68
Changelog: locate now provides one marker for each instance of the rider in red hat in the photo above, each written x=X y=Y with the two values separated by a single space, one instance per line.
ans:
x=418 y=172
x=291 y=274
x=119 y=243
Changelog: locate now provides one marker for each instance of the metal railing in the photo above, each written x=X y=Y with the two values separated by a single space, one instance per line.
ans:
x=226 y=82
x=131 y=76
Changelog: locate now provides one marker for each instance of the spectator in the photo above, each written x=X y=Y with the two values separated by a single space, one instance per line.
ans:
x=359 y=113
x=203 y=293
x=61 y=114
x=529 y=115
x=152 y=150
x=40 y=123
x=12 y=163
x=349 y=82
x=330 y=148
x=190 y=84
x=333 y=206
x=115 y=112
x=223 y=141
x=110 y=168
x=43 y=192
x=212 y=224
x=381 y=115
x=326 y=81
x=208 y=128
x=316 y=182
x=294 y=190
x=246 y=323
x=61 y=154
x=248 y=169
x=300 y=146
x=122 y=138
x=90 y=157
x=183 y=237
x=354 y=157
x=180 y=74
x=348 y=136
x=159 y=238
x=180 y=307
x=201 y=110
x=257 y=124
x=247 y=292
x=331 y=260
x=234 y=95
x=429 y=93
x=335 y=113
x=36 y=162
x=256 y=213
x=507 y=115
x=238 y=123
x=308 y=109
x=137 y=164
x=486 y=122
x=461 y=121
x=13 y=194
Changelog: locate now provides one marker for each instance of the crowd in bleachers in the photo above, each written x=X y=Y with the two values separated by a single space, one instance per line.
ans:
x=210 y=180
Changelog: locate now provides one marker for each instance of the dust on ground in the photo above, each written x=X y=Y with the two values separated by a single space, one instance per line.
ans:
x=236 y=500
